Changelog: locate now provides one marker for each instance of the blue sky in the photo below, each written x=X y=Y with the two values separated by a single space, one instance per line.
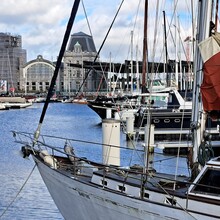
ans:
x=42 y=24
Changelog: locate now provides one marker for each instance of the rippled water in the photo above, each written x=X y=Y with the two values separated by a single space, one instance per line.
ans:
x=33 y=200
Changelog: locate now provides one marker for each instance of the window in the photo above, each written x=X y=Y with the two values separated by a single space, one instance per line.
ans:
x=121 y=188
x=170 y=201
x=78 y=73
x=104 y=182
x=146 y=195
x=209 y=182
x=77 y=48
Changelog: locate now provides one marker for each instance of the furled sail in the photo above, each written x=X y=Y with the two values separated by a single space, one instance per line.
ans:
x=210 y=88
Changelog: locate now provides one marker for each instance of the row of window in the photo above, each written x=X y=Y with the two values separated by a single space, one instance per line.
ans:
x=35 y=83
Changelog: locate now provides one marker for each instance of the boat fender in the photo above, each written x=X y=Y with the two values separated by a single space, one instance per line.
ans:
x=52 y=162
x=70 y=151
x=44 y=153
x=48 y=159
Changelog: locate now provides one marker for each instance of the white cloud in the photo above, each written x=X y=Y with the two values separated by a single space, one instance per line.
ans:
x=42 y=25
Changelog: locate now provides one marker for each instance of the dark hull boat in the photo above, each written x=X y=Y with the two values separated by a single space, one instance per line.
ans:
x=171 y=111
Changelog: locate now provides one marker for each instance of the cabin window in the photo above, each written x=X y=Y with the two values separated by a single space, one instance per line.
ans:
x=146 y=195
x=209 y=182
x=121 y=188
x=170 y=201
x=104 y=182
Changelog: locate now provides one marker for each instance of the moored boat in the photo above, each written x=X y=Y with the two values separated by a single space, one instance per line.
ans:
x=86 y=188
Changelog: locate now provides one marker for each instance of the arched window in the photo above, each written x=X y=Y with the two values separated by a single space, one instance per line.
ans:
x=77 y=48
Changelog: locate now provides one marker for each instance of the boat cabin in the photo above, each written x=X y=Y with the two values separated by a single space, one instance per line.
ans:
x=207 y=183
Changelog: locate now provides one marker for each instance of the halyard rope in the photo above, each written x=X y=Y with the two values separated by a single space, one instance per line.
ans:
x=18 y=192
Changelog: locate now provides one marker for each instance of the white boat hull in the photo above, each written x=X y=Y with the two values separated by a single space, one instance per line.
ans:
x=82 y=201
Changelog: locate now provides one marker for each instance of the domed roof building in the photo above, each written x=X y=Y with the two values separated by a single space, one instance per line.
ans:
x=81 y=48
x=84 y=40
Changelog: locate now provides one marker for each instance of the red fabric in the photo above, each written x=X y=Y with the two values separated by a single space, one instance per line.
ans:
x=210 y=87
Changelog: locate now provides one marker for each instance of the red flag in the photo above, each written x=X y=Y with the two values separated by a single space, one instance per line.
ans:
x=210 y=87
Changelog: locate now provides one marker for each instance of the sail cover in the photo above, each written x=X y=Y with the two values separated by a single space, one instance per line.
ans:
x=210 y=88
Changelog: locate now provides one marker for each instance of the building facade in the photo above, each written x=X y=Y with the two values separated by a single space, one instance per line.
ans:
x=12 y=58
x=36 y=76
x=81 y=48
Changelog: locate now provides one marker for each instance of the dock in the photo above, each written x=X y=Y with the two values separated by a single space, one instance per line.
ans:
x=13 y=103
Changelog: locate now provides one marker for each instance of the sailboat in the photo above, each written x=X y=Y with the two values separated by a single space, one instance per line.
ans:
x=165 y=104
x=86 y=189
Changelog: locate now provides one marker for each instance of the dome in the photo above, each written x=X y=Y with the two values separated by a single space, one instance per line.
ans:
x=86 y=42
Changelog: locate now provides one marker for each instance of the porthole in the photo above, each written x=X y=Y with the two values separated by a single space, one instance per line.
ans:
x=177 y=120
x=156 y=121
x=166 y=120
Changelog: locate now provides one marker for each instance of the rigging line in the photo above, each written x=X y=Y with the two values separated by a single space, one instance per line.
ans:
x=161 y=160
x=135 y=22
x=117 y=74
x=172 y=197
x=132 y=23
x=180 y=137
x=103 y=76
x=84 y=9
x=86 y=142
x=97 y=55
x=18 y=192
x=58 y=64
x=169 y=194
x=155 y=35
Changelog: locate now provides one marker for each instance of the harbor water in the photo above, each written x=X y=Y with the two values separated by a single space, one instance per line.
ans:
x=24 y=196
x=32 y=200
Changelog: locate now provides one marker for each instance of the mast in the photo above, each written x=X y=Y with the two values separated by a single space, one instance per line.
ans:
x=176 y=47
x=132 y=73
x=58 y=64
x=145 y=57
x=203 y=31
x=216 y=16
x=137 y=71
x=166 y=53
